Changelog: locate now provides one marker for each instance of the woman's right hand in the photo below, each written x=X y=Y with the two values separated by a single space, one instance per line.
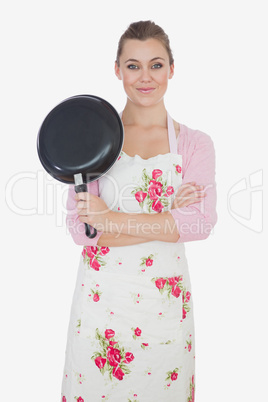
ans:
x=188 y=194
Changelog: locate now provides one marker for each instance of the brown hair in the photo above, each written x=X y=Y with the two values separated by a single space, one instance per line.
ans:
x=143 y=30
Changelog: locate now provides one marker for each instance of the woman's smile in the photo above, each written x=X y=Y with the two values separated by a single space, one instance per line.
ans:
x=146 y=91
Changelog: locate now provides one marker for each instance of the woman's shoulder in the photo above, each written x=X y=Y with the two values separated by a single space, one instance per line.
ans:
x=194 y=143
x=193 y=134
x=191 y=138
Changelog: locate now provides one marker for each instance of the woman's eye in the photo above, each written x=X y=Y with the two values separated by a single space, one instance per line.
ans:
x=132 y=66
x=157 y=65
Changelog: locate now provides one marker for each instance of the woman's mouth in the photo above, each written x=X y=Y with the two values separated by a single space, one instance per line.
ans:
x=145 y=90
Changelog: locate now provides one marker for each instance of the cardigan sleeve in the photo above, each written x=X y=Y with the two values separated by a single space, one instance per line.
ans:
x=196 y=221
x=74 y=225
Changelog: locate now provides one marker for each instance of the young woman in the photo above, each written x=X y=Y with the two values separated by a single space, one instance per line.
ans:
x=131 y=333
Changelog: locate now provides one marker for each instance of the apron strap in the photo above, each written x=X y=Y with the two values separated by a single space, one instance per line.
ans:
x=172 y=135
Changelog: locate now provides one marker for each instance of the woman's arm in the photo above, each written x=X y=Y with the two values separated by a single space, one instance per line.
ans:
x=126 y=228
x=94 y=211
x=76 y=226
x=196 y=221
x=119 y=240
x=158 y=226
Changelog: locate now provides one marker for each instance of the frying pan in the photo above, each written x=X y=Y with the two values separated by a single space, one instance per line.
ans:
x=79 y=141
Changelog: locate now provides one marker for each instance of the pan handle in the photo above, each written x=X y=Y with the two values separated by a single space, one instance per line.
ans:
x=81 y=187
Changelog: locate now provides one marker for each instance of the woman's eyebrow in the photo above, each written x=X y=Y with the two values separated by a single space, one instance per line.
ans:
x=137 y=61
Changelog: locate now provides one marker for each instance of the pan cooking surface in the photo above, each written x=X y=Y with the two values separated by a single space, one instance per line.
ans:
x=83 y=134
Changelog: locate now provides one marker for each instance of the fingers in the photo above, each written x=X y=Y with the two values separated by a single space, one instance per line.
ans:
x=82 y=208
x=89 y=205
x=189 y=193
x=83 y=196
x=83 y=203
x=190 y=189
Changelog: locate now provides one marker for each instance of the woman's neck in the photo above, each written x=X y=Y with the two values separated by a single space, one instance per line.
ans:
x=155 y=115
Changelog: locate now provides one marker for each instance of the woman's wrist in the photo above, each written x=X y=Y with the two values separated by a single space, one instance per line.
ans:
x=147 y=226
x=119 y=240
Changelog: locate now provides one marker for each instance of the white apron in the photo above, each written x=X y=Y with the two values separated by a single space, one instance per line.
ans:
x=131 y=332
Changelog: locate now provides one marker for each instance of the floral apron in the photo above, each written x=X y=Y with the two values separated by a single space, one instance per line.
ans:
x=131 y=332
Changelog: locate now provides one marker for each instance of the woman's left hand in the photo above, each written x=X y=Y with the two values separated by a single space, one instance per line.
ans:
x=92 y=210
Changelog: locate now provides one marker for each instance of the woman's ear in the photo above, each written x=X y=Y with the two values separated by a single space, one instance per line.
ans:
x=117 y=71
x=171 y=73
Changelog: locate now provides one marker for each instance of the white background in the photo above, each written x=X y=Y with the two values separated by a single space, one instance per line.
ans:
x=55 y=49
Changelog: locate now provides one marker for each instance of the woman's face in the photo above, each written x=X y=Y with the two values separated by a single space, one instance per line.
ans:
x=144 y=70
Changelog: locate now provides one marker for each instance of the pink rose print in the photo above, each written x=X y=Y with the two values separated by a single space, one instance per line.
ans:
x=95 y=294
x=92 y=251
x=174 y=287
x=160 y=283
x=104 y=250
x=112 y=343
x=93 y=256
x=154 y=191
x=129 y=357
x=113 y=356
x=186 y=298
x=174 y=376
x=146 y=262
x=156 y=173
x=189 y=344
x=138 y=331
x=94 y=264
x=149 y=262
x=176 y=291
x=63 y=399
x=115 y=361
x=191 y=397
x=100 y=362
x=118 y=373
x=173 y=281
x=171 y=376
x=80 y=399
x=96 y=297
x=140 y=196
x=169 y=192
x=178 y=169
x=157 y=206
x=109 y=333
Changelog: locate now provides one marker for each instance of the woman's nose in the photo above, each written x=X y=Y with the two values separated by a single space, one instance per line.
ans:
x=145 y=75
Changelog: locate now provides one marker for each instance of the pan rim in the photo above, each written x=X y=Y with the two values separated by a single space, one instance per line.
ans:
x=86 y=176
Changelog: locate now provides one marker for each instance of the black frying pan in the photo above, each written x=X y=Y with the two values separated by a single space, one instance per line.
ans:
x=79 y=141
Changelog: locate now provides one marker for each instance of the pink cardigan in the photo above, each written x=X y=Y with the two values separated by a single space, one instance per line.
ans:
x=194 y=222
